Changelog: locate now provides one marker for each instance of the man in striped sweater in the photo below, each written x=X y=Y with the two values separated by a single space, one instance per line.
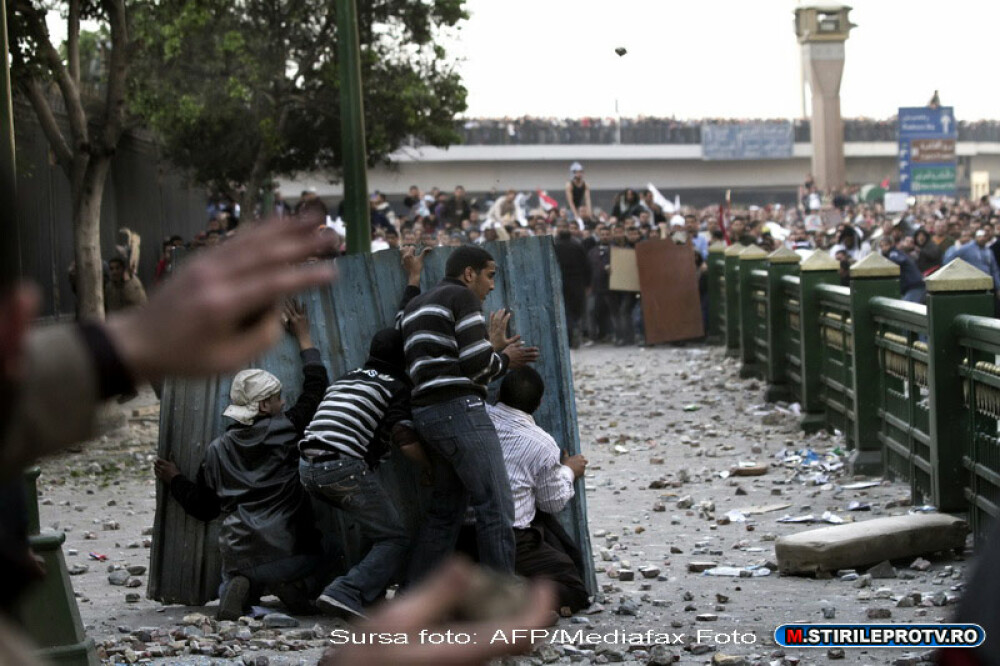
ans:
x=451 y=357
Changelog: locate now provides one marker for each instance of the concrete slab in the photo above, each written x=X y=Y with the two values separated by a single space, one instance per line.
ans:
x=856 y=545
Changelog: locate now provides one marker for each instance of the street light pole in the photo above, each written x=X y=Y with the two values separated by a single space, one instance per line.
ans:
x=618 y=123
x=352 y=129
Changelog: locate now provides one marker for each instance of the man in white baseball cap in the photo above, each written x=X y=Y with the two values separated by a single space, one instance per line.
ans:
x=268 y=538
x=253 y=393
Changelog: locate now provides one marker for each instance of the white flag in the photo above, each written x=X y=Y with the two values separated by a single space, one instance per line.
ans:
x=520 y=200
x=660 y=200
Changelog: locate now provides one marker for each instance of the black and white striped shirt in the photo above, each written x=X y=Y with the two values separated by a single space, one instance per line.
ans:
x=448 y=353
x=356 y=416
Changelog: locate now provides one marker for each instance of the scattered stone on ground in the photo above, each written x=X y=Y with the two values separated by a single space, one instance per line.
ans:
x=666 y=510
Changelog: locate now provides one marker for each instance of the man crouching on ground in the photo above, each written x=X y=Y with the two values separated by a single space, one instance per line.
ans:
x=541 y=483
x=250 y=475
x=347 y=439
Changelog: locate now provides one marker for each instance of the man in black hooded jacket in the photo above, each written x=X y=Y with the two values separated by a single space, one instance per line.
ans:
x=268 y=540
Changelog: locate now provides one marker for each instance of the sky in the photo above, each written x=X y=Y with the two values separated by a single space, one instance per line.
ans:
x=718 y=58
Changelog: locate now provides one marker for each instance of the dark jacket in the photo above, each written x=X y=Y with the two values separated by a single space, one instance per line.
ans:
x=250 y=475
x=573 y=264
x=930 y=256
x=600 y=260
x=454 y=211
x=909 y=275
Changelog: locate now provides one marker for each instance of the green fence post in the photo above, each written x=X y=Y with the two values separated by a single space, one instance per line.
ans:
x=818 y=268
x=958 y=288
x=732 y=258
x=872 y=276
x=751 y=259
x=716 y=290
x=48 y=610
x=780 y=263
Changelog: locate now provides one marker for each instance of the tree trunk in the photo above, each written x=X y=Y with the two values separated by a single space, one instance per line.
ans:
x=251 y=199
x=87 y=237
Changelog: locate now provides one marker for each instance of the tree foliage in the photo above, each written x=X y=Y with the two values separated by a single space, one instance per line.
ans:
x=241 y=91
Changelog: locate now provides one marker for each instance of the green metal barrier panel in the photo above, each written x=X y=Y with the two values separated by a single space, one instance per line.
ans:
x=790 y=286
x=980 y=374
x=716 y=291
x=731 y=285
x=904 y=407
x=836 y=376
x=759 y=299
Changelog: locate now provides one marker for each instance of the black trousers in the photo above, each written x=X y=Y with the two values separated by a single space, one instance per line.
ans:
x=601 y=315
x=575 y=299
x=543 y=550
x=540 y=554
x=624 y=303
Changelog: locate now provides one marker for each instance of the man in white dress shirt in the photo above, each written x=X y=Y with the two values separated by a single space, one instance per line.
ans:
x=541 y=480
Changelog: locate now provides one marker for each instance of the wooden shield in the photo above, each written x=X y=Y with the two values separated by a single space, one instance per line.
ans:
x=624 y=273
x=668 y=281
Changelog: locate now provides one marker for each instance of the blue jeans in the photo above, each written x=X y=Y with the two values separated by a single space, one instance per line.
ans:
x=468 y=471
x=915 y=294
x=349 y=485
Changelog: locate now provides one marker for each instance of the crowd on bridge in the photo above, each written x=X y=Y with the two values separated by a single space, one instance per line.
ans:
x=657 y=130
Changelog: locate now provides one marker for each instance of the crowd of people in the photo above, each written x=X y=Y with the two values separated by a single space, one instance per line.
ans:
x=920 y=239
x=495 y=477
x=653 y=130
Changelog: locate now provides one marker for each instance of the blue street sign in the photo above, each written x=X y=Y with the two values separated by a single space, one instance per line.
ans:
x=926 y=156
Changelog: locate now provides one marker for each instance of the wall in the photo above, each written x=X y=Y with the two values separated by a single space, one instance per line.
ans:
x=141 y=193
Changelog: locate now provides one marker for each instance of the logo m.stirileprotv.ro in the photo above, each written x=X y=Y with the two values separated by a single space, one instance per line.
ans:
x=879 y=635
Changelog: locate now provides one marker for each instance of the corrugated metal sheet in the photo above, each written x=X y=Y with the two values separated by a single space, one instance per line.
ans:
x=344 y=316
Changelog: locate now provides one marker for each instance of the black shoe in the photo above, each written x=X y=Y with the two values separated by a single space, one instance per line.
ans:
x=295 y=597
x=235 y=599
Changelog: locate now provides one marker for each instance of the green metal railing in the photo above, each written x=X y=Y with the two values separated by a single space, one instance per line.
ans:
x=904 y=407
x=730 y=303
x=716 y=291
x=980 y=343
x=758 y=322
x=790 y=288
x=836 y=374
x=915 y=389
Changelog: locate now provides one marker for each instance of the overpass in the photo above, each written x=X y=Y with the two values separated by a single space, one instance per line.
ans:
x=674 y=168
